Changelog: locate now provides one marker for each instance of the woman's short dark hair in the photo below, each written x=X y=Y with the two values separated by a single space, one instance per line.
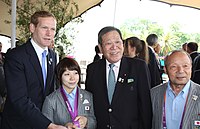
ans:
x=70 y=64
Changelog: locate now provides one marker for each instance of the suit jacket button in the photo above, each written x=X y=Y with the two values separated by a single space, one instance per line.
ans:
x=110 y=110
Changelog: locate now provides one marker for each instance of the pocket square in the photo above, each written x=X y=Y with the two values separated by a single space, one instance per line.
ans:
x=130 y=80
x=85 y=101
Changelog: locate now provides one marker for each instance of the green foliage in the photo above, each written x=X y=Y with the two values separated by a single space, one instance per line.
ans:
x=64 y=10
x=140 y=28
x=170 y=39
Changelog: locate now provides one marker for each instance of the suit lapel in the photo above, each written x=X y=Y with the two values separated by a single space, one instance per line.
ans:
x=102 y=74
x=50 y=68
x=123 y=70
x=80 y=102
x=60 y=98
x=34 y=61
x=190 y=104
x=161 y=103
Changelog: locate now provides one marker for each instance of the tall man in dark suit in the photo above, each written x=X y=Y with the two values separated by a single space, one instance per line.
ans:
x=129 y=105
x=176 y=104
x=192 y=49
x=153 y=65
x=26 y=85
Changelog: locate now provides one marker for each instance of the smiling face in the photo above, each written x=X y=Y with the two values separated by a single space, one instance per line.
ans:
x=179 y=68
x=112 y=46
x=43 y=33
x=70 y=79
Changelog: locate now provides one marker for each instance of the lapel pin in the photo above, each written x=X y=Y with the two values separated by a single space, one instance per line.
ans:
x=50 y=61
x=87 y=108
x=120 y=80
x=194 y=97
x=81 y=97
x=85 y=101
x=130 y=80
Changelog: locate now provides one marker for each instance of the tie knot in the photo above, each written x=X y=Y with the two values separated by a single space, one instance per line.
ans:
x=111 y=66
x=44 y=53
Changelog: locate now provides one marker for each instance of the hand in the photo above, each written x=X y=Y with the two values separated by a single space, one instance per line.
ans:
x=82 y=121
x=70 y=126
x=54 y=126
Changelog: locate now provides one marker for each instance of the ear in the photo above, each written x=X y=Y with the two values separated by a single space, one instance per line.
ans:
x=32 y=27
x=100 y=48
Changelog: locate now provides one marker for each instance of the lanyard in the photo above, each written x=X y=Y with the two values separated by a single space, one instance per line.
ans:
x=164 y=114
x=69 y=108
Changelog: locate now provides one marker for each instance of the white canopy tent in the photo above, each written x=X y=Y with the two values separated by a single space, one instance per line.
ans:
x=10 y=29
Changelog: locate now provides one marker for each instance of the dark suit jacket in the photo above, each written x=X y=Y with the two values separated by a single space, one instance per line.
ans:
x=193 y=55
x=96 y=58
x=131 y=105
x=196 y=70
x=25 y=88
x=154 y=69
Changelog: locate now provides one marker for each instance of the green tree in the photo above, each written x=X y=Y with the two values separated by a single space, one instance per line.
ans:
x=64 y=10
x=171 y=38
x=140 y=28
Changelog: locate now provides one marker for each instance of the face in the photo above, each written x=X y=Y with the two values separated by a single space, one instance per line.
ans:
x=70 y=80
x=157 y=49
x=44 y=32
x=112 y=46
x=179 y=69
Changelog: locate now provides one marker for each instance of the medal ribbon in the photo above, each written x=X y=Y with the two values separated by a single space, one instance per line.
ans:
x=69 y=108
x=164 y=114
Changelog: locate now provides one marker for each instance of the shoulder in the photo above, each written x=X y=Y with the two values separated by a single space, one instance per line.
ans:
x=96 y=64
x=195 y=86
x=134 y=61
x=19 y=50
x=159 y=89
x=157 y=93
x=83 y=91
x=86 y=94
x=54 y=95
